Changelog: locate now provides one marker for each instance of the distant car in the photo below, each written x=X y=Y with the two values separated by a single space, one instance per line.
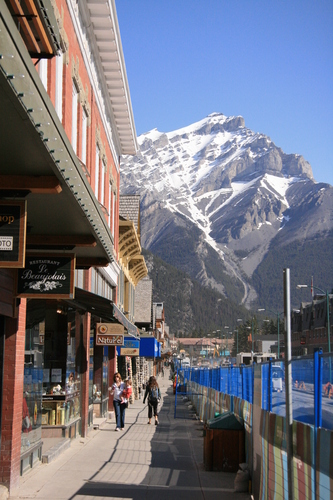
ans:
x=277 y=377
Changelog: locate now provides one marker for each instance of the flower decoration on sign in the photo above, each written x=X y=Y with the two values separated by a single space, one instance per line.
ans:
x=43 y=286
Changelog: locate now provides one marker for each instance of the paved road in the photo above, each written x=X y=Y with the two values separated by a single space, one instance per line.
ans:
x=142 y=462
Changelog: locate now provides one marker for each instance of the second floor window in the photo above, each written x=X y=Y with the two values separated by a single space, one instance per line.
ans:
x=58 y=89
x=113 y=209
x=110 y=203
x=97 y=171
x=102 y=182
x=74 y=117
x=84 y=136
x=43 y=71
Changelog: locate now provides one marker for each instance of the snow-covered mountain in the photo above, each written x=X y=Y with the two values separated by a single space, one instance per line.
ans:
x=216 y=194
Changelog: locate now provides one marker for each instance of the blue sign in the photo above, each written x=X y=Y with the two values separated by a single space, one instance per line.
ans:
x=129 y=343
x=149 y=347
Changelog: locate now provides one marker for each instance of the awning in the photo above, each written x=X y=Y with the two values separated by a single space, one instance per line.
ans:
x=102 y=307
x=120 y=316
x=94 y=304
x=149 y=347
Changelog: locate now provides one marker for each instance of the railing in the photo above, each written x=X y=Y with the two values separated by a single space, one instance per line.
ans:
x=312 y=387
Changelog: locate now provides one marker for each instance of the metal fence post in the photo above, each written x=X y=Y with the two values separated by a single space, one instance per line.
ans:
x=318 y=383
x=270 y=387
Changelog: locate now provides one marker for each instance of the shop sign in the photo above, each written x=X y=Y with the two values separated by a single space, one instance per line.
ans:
x=13 y=222
x=124 y=351
x=47 y=276
x=110 y=328
x=109 y=340
x=109 y=334
x=131 y=347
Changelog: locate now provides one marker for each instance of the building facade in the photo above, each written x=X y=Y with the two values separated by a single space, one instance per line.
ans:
x=311 y=326
x=66 y=119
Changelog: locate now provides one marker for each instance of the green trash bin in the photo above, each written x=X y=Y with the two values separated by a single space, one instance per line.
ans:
x=224 y=443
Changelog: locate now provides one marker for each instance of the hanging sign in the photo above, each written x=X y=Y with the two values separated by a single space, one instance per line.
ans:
x=13 y=222
x=47 y=276
x=131 y=347
x=109 y=334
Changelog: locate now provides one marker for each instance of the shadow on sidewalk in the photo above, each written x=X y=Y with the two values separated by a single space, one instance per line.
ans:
x=159 y=462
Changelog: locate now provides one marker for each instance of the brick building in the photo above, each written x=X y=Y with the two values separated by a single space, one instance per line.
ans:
x=66 y=119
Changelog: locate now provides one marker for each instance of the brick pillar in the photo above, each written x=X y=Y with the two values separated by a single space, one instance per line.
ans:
x=12 y=399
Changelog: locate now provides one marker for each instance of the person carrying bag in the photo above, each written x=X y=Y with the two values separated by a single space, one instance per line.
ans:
x=153 y=394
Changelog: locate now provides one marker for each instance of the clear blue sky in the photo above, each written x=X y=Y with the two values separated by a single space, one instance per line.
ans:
x=270 y=61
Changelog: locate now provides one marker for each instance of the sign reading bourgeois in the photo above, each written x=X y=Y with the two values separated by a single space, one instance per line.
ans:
x=47 y=276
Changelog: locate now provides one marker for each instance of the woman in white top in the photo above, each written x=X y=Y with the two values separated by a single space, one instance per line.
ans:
x=119 y=408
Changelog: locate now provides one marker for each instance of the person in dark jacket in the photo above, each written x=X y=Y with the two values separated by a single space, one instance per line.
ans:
x=153 y=394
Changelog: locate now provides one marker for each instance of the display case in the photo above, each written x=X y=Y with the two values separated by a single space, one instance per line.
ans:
x=61 y=382
x=60 y=406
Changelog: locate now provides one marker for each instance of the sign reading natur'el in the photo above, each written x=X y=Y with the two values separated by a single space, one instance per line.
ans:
x=111 y=334
x=13 y=222
x=47 y=276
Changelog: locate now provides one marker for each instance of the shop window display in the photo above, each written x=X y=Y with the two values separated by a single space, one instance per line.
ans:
x=61 y=382
x=32 y=388
x=50 y=367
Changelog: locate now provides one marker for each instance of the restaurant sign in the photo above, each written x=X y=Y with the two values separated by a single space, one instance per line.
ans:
x=13 y=222
x=47 y=276
x=109 y=334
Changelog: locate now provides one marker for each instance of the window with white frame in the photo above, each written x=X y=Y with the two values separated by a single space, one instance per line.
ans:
x=113 y=210
x=42 y=69
x=59 y=86
x=102 y=182
x=74 y=116
x=84 y=136
x=97 y=171
x=110 y=203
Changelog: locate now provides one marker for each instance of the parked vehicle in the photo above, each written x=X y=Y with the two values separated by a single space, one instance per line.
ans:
x=247 y=358
x=277 y=378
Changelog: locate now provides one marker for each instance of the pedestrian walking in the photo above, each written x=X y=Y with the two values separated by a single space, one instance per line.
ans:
x=153 y=394
x=116 y=390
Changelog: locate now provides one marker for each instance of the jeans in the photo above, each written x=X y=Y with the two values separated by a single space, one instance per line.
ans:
x=152 y=407
x=120 y=414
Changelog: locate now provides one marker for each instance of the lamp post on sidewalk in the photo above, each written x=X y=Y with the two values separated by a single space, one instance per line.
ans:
x=328 y=310
x=278 y=325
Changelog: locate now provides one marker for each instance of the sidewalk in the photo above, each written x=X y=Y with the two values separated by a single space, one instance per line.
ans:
x=142 y=462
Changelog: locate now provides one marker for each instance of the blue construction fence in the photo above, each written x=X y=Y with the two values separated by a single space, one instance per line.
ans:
x=312 y=386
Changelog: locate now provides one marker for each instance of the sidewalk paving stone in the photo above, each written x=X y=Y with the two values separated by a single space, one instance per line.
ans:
x=142 y=462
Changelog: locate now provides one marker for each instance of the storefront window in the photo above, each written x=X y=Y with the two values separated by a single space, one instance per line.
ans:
x=91 y=368
x=61 y=382
x=32 y=385
x=105 y=378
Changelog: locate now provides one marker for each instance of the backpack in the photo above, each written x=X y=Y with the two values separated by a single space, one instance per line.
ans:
x=154 y=396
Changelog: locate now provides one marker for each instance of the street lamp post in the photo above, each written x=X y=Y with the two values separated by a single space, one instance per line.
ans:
x=238 y=321
x=226 y=333
x=278 y=325
x=217 y=334
x=328 y=311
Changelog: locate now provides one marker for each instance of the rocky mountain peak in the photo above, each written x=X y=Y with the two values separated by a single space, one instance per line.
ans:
x=234 y=187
